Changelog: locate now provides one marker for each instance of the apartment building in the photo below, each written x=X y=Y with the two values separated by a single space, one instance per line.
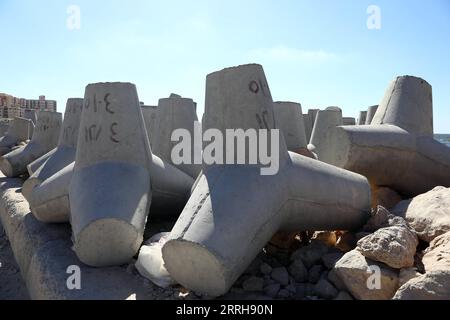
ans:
x=11 y=106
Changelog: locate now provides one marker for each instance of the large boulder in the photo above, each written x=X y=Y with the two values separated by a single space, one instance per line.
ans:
x=394 y=246
x=428 y=214
x=434 y=285
x=361 y=278
x=437 y=256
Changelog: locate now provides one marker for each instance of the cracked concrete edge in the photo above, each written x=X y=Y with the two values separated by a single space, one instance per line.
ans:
x=43 y=253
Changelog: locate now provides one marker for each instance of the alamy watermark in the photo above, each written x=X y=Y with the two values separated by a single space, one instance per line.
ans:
x=73 y=282
x=73 y=21
x=240 y=147
x=374 y=19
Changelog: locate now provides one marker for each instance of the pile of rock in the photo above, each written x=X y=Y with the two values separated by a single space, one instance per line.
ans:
x=400 y=255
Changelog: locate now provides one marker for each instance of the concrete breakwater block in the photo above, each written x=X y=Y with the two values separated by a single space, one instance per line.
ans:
x=18 y=131
x=362 y=118
x=150 y=119
x=46 y=260
x=65 y=150
x=110 y=189
x=36 y=164
x=174 y=113
x=397 y=150
x=289 y=118
x=45 y=138
x=370 y=114
x=326 y=121
x=348 y=121
x=201 y=253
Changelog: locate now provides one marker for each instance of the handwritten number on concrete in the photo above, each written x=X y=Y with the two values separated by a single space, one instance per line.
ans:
x=113 y=132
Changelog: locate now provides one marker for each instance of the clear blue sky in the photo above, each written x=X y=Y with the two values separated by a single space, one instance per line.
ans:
x=319 y=53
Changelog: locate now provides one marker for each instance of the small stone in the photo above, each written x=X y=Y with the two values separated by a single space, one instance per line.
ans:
x=284 y=294
x=265 y=269
x=333 y=277
x=314 y=274
x=272 y=290
x=311 y=254
x=291 y=288
x=298 y=271
x=344 y=295
x=309 y=290
x=254 y=267
x=329 y=260
x=394 y=246
x=280 y=275
x=253 y=284
x=378 y=220
x=324 y=289
x=300 y=292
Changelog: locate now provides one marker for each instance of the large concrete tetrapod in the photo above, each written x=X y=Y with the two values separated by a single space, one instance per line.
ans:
x=326 y=121
x=36 y=164
x=370 y=114
x=175 y=113
x=289 y=119
x=397 y=150
x=362 y=118
x=234 y=210
x=45 y=138
x=18 y=131
x=149 y=113
x=110 y=189
x=65 y=150
x=32 y=115
x=348 y=121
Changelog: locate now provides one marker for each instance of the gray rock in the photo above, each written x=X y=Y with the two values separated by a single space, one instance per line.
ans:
x=272 y=290
x=300 y=292
x=253 y=284
x=428 y=214
x=360 y=276
x=280 y=275
x=291 y=288
x=406 y=275
x=394 y=246
x=330 y=259
x=314 y=273
x=265 y=269
x=284 y=294
x=434 y=285
x=324 y=289
x=298 y=271
x=344 y=295
x=335 y=280
x=311 y=255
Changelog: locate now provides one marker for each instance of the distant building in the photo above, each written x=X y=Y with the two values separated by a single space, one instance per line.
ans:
x=11 y=106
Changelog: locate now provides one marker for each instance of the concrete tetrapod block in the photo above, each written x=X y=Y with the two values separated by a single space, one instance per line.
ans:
x=234 y=210
x=65 y=150
x=149 y=113
x=289 y=118
x=362 y=118
x=44 y=255
x=397 y=150
x=32 y=115
x=110 y=189
x=44 y=139
x=370 y=114
x=19 y=131
x=326 y=121
x=312 y=114
x=174 y=113
x=36 y=164
x=347 y=121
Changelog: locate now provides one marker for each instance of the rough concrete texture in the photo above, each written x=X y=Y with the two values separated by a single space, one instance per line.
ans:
x=43 y=253
x=108 y=215
x=31 y=115
x=65 y=150
x=19 y=130
x=174 y=113
x=36 y=164
x=150 y=119
x=326 y=121
x=370 y=114
x=397 y=150
x=289 y=119
x=362 y=118
x=45 y=138
x=347 y=121
x=202 y=254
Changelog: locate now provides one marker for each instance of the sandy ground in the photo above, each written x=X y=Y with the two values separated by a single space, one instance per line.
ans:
x=12 y=286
